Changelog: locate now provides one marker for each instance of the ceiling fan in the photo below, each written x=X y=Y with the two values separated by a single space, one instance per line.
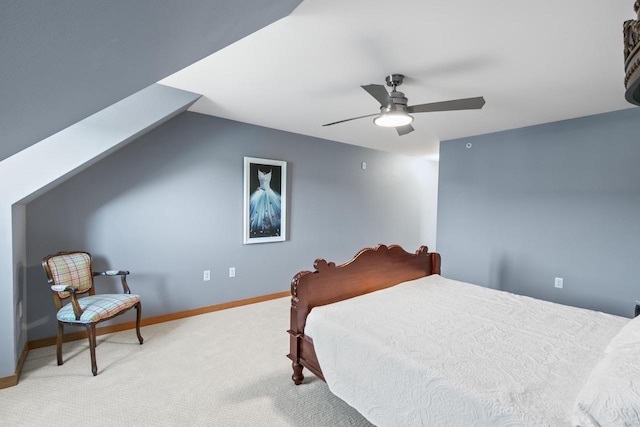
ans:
x=394 y=111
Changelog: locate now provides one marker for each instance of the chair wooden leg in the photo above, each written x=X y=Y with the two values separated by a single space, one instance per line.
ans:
x=59 y=343
x=91 y=330
x=138 y=316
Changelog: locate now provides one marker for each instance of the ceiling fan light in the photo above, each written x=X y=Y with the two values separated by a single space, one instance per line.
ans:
x=393 y=119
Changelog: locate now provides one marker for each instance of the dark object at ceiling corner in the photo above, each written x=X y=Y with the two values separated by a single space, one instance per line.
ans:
x=631 y=34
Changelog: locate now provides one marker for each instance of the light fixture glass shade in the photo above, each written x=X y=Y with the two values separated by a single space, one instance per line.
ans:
x=393 y=119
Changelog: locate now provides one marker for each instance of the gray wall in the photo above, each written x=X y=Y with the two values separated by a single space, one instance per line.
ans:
x=64 y=60
x=519 y=208
x=168 y=206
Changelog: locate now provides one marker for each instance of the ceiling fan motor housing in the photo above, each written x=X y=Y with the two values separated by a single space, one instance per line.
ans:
x=398 y=102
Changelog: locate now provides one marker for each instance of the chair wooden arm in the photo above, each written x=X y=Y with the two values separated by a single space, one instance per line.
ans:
x=123 y=277
x=77 y=310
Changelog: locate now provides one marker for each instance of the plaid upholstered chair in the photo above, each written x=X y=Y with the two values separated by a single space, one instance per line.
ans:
x=70 y=275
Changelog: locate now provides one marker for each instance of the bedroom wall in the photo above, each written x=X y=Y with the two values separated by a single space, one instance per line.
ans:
x=521 y=207
x=168 y=206
x=65 y=60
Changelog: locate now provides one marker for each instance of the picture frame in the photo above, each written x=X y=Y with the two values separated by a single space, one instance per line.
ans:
x=265 y=200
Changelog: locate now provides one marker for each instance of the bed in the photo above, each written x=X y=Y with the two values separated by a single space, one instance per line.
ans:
x=406 y=346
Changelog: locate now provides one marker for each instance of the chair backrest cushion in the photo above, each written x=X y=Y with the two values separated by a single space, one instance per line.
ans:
x=73 y=269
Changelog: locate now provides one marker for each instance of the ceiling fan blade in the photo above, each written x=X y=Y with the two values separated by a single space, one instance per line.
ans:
x=354 y=118
x=403 y=130
x=379 y=93
x=456 y=104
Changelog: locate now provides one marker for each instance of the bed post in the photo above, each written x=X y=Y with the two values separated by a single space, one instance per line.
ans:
x=435 y=263
x=298 y=309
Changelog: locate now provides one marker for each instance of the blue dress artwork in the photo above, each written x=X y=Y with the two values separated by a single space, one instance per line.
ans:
x=264 y=209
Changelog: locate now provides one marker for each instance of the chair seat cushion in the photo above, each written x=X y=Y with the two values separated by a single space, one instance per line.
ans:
x=98 y=307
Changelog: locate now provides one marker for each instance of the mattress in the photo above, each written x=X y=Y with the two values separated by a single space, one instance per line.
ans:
x=436 y=351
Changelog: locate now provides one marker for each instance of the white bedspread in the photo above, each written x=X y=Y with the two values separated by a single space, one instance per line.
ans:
x=438 y=352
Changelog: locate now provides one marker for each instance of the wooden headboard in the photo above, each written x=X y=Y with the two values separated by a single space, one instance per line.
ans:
x=370 y=270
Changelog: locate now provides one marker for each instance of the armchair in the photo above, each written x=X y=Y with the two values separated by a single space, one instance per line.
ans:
x=70 y=275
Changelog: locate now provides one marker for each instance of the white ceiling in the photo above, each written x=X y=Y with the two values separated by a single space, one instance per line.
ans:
x=534 y=62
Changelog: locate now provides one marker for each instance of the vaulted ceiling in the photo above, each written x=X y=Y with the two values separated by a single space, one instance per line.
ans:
x=534 y=62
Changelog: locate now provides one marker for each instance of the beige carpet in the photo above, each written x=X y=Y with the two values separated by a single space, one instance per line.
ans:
x=226 y=368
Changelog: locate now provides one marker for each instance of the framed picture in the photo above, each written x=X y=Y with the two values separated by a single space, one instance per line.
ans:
x=265 y=200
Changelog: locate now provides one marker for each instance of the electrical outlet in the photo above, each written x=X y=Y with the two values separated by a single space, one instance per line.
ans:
x=364 y=165
x=559 y=283
x=232 y=272
x=206 y=276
